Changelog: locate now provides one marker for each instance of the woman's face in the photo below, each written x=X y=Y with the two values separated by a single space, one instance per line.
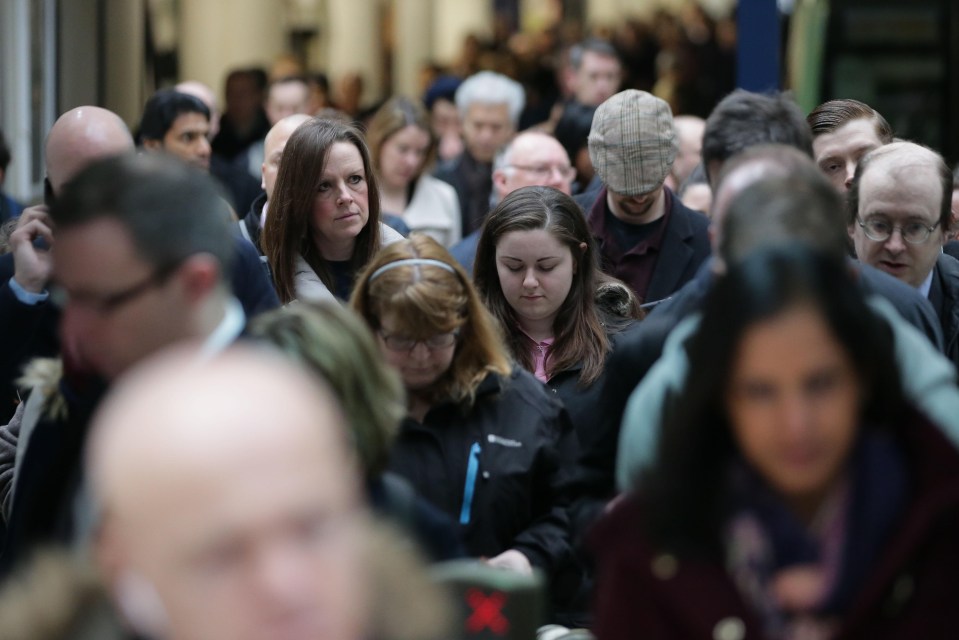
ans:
x=420 y=366
x=402 y=156
x=794 y=403
x=341 y=207
x=535 y=273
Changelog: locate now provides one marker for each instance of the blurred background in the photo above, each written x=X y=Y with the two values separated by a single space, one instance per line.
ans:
x=900 y=57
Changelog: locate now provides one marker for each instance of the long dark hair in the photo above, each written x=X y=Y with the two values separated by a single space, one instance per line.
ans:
x=579 y=337
x=684 y=489
x=286 y=233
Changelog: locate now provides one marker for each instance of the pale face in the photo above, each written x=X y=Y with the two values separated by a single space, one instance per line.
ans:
x=597 y=79
x=535 y=273
x=910 y=194
x=341 y=207
x=634 y=209
x=235 y=555
x=486 y=128
x=273 y=147
x=793 y=402
x=118 y=310
x=536 y=160
x=838 y=153
x=188 y=139
x=402 y=156
x=286 y=99
x=420 y=367
x=688 y=148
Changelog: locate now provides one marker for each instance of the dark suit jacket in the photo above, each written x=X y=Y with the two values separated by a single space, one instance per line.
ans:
x=944 y=296
x=473 y=182
x=685 y=246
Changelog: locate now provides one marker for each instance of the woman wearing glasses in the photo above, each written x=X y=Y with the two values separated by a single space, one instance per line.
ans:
x=483 y=440
x=796 y=492
x=323 y=222
x=402 y=146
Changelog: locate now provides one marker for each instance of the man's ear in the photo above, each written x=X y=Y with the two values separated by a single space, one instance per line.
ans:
x=152 y=145
x=199 y=275
x=499 y=180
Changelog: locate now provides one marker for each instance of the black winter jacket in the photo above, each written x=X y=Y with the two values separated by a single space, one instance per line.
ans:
x=504 y=469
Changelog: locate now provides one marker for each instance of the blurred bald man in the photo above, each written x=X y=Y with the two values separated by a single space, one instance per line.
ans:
x=224 y=517
x=273 y=146
x=77 y=138
x=532 y=158
x=689 y=147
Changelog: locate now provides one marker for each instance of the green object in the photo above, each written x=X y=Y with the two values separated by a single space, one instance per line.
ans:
x=493 y=603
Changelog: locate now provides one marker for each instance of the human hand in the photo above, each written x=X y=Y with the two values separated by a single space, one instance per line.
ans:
x=32 y=266
x=513 y=560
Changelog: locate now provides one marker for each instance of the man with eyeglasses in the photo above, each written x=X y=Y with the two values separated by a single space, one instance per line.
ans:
x=900 y=209
x=127 y=287
x=647 y=237
x=532 y=158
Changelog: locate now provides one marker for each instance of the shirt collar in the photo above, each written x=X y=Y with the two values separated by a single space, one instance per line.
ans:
x=926 y=285
x=229 y=329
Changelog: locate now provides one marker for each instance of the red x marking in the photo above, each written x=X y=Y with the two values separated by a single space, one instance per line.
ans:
x=487 y=612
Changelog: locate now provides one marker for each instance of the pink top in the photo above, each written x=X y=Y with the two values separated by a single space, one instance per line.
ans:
x=539 y=358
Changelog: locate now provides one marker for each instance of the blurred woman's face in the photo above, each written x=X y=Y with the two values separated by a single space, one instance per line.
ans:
x=794 y=402
x=341 y=207
x=423 y=362
x=402 y=156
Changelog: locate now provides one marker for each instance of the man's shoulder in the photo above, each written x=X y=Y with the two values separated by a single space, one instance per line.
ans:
x=696 y=222
x=948 y=266
x=448 y=170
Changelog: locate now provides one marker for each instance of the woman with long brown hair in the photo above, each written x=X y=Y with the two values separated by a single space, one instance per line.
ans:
x=323 y=222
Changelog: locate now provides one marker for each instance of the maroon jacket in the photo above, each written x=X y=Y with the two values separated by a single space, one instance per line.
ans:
x=913 y=591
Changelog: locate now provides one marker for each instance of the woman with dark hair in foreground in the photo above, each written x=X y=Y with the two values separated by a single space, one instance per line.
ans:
x=795 y=493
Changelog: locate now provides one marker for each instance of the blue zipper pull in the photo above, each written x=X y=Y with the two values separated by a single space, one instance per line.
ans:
x=472 y=470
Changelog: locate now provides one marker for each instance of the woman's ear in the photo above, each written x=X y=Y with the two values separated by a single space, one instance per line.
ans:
x=582 y=247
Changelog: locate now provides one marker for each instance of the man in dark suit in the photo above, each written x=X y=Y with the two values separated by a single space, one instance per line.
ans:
x=128 y=287
x=647 y=237
x=899 y=212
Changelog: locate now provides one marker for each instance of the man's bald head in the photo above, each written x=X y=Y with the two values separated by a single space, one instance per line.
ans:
x=237 y=513
x=79 y=137
x=273 y=146
x=748 y=167
x=532 y=158
x=689 y=147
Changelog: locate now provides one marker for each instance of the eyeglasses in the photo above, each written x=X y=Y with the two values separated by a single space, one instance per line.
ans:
x=880 y=230
x=107 y=304
x=403 y=343
x=544 y=171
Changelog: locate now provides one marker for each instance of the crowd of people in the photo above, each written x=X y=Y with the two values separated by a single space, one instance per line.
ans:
x=688 y=377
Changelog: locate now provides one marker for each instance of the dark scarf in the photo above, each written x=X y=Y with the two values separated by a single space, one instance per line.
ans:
x=764 y=537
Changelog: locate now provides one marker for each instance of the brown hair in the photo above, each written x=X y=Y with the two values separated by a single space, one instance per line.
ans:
x=428 y=299
x=396 y=114
x=833 y=114
x=578 y=330
x=336 y=344
x=286 y=233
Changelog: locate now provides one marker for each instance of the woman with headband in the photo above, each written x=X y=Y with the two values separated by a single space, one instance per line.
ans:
x=323 y=222
x=483 y=440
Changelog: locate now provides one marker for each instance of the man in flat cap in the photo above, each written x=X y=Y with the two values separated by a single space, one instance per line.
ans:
x=647 y=237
